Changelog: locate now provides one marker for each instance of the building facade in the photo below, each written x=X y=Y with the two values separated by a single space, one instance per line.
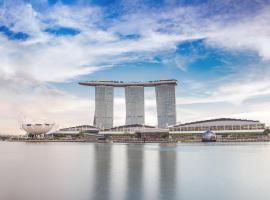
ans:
x=166 y=108
x=134 y=128
x=220 y=125
x=104 y=96
x=134 y=104
x=74 y=130
x=134 y=95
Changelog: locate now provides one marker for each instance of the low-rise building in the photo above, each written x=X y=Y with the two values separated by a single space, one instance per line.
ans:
x=135 y=132
x=77 y=129
x=131 y=129
x=220 y=125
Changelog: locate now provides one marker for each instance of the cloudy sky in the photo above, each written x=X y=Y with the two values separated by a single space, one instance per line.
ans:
x=218 y=50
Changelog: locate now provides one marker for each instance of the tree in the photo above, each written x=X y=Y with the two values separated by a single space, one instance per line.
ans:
x=267 y=131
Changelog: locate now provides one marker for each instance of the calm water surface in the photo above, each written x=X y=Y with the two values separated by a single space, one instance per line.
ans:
x=80 y=171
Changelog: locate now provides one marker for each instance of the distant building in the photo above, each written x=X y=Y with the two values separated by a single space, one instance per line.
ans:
x=37 y=128
x=152 y=133
x=134 y=101
x=220 y=125
x=133 y=128
x=77 y=129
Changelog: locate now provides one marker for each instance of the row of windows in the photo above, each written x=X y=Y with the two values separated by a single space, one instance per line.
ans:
x=127 y=129
x=81 y=128
x=219 y=128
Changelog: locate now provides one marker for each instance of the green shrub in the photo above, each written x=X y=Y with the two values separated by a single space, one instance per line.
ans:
x=267 y=131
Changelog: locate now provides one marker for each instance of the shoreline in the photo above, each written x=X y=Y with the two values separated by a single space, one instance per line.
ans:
x=133 y=139
x=143 y=142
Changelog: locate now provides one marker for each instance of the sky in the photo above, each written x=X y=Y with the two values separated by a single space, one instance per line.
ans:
x=218 y=50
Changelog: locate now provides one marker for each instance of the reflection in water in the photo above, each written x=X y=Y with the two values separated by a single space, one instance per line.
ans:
x=102 y=171
x=118 y=172
x=151 y=171
x=167 y=167
x=135 y=168
x=68 y=171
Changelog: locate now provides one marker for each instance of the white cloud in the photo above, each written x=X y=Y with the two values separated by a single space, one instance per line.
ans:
x=83 y=18
x=45 y=58
x=235 y=93
x=56 y=59
x=250 y=33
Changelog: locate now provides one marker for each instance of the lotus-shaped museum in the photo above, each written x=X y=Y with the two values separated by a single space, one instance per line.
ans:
x=37 y=128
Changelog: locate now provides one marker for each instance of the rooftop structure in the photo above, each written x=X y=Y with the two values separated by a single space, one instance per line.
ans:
x=77 y=130
x=220 y=120
x=125 y=84
x=131 y=128
x=220 y=125
x=134 y=94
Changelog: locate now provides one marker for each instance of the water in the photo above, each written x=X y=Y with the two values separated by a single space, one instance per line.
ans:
x=83 y=171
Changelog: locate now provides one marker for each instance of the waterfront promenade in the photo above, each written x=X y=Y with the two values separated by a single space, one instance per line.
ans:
x=132 y=139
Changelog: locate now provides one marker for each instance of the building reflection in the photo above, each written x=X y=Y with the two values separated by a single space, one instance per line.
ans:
x=151 y=171
x=118 y=180
x=135 y=172
x=102 y=171
x=167 y=170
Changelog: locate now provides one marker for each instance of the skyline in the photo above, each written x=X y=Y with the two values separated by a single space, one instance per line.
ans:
x=134 y=102
x=219 y=51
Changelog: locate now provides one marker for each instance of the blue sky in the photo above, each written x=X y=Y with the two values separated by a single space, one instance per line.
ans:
x=218 y=50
